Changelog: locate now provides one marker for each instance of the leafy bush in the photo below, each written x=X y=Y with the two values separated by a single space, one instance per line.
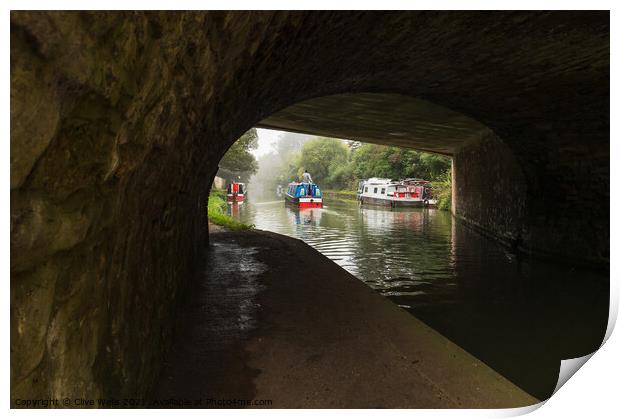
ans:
x=442 y=191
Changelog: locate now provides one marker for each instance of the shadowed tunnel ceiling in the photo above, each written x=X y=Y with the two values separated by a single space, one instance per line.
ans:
x=380 y=118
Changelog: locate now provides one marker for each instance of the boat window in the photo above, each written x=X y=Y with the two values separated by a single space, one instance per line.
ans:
x=375 y=190
x=366 y=189
x=382 y=191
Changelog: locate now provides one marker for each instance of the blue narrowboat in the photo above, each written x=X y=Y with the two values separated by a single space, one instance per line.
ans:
x=304 y=195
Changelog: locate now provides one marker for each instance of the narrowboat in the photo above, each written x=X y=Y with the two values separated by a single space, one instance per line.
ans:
x=235 y=192
x=304 y=195
x=396 y=193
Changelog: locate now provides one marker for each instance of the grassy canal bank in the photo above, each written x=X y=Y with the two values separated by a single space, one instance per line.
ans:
x=344 y=195
x=217 y=212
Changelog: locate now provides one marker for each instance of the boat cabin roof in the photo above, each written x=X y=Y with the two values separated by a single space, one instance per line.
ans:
x=380 y=181
x=395 y=182
x=415 y=181
x=302 y=183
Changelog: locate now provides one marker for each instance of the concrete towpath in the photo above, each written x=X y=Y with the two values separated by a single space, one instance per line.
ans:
x=274 y=321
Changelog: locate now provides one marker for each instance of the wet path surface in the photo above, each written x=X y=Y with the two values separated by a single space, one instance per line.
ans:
x=305 y=333
x=520 y=316
x=219 y=313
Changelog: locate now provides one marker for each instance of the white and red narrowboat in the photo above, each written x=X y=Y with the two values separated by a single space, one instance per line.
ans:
x=304 y=195
x=421 y=188
x=396 y=193
x=235 y=192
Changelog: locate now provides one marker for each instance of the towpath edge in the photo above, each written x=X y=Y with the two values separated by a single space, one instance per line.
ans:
x=281 y=322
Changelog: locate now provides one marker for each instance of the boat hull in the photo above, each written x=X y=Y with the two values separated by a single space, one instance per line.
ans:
x=307 y=202
x=410 y=203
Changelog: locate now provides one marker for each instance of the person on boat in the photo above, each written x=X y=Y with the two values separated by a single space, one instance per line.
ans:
x=306 y=178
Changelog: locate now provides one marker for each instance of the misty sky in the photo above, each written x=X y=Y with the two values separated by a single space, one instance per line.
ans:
x=267 y=139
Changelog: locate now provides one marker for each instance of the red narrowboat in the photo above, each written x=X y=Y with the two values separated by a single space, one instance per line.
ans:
x=235 y=192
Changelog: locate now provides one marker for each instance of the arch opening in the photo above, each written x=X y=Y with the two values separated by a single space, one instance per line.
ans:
x=491 y=189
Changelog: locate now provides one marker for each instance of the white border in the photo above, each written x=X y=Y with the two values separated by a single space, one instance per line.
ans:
x=593 y=392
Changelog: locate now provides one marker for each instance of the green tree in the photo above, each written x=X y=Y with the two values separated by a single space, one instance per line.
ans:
x=239 y=162
x=323 y=157
x=371 y=160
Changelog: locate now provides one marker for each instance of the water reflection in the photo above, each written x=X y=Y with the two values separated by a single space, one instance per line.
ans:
x=305 y=216
x=234 y=209
x=520 y=316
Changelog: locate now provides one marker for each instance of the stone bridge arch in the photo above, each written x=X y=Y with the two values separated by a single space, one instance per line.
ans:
x=118 y=121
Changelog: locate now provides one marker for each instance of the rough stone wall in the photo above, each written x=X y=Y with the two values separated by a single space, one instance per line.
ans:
x=567 y=212
x=118 y=121
x=105 y=127
x=489 y=189
x=547 y=216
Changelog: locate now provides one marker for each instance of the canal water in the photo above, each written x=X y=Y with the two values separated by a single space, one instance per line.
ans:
x=519 y=315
